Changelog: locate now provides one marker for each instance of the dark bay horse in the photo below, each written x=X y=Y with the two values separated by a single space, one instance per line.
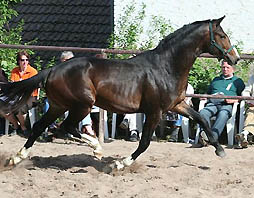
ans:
x=152 y=82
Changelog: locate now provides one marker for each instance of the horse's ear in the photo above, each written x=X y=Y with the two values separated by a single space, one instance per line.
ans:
x=218 y=21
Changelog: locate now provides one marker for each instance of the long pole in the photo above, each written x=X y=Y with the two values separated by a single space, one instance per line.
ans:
x=97 y=50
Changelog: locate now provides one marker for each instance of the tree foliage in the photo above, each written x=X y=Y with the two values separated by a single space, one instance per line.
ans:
x=129 y=33
x=9 y=35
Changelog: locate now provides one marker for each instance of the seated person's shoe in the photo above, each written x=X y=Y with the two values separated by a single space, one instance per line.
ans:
x=124 y=124
x=134 y=136
x=241 y=140
x=250 y=138
x=203 y=140
x=172 y=139
x=13 y=132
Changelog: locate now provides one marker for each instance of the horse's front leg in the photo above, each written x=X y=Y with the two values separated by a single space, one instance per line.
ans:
x=185 y=110
x=150 y=124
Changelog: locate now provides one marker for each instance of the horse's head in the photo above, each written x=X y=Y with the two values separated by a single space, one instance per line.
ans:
x=220 y=45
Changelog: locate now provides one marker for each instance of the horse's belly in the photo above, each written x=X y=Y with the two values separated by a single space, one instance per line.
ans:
x=117 y=105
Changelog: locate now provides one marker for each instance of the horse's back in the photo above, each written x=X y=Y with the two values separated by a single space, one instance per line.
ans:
x=111 y=83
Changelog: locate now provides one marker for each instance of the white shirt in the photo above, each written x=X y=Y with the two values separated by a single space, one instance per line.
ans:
x=249 y=89
x=189 y=90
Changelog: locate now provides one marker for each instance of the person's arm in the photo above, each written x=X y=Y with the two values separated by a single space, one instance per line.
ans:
x=231 y=101
x=248 y=91
x=33 y=72
x=209 y=89
x=239 y=89
x=12 y=77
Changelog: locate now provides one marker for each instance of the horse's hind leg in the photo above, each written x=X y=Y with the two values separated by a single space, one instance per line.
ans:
x=150 y=124
x=70 y=123
x=38 y=128
x=185 y=110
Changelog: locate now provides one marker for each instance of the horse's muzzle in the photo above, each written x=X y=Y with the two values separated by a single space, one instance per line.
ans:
x=234 y=58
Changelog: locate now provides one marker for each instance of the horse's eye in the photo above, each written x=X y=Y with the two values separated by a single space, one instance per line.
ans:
x=222 y=37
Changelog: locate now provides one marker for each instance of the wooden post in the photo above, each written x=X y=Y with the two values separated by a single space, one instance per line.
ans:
x=101 y=126
x=101 y=115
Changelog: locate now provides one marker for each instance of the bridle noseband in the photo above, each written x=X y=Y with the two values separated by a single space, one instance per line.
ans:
x=213 y=42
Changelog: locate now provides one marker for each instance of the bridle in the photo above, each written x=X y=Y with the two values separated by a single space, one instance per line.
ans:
x=213 y=42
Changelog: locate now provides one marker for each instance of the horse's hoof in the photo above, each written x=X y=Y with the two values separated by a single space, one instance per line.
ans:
x=12 y=161
x=108 y=169
x=119 y=165
x=128 y=161
x=220 y=152
x=124 y=163
x=98 y=154
x=9 y=162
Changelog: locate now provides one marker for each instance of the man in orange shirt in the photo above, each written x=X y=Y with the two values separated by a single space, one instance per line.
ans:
x=21 y=72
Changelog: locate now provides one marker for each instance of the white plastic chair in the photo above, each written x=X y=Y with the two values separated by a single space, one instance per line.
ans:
x=113 y=129
x=138 y=122
x=32 y=118
x=185 y=129
x=230 y=123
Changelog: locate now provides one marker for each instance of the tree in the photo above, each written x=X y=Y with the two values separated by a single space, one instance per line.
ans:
x=9 y=35
x=129 y=33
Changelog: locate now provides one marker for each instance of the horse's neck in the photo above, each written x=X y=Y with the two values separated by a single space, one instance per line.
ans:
x=183 y=52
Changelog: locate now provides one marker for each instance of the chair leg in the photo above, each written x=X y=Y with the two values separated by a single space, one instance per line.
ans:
x=197 y=134
x=185 y=129
x=113 y=131
x=230 y=133
x=242 y=112
x=106 y=136
x=231 y=126
x=7 y=124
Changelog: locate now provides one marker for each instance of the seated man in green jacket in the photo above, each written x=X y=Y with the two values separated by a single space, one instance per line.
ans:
x=225 y=84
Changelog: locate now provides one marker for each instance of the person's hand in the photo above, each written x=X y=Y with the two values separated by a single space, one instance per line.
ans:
x=231 y=101
x=250 y=103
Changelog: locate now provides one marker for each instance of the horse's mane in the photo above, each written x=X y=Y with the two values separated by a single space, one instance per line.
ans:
x=179 y=35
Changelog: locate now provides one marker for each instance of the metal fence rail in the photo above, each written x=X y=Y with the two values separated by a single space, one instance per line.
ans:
x=97 y=50
x=219 y=96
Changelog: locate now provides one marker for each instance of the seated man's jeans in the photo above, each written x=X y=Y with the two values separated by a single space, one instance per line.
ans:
x=222 y=112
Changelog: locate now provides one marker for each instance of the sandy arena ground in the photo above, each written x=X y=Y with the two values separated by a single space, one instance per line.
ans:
x=68 y=169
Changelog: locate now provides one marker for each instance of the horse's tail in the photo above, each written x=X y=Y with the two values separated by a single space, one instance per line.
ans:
x=13 y=95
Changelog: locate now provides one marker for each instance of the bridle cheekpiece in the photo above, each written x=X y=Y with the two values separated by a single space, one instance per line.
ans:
x=213 y=42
